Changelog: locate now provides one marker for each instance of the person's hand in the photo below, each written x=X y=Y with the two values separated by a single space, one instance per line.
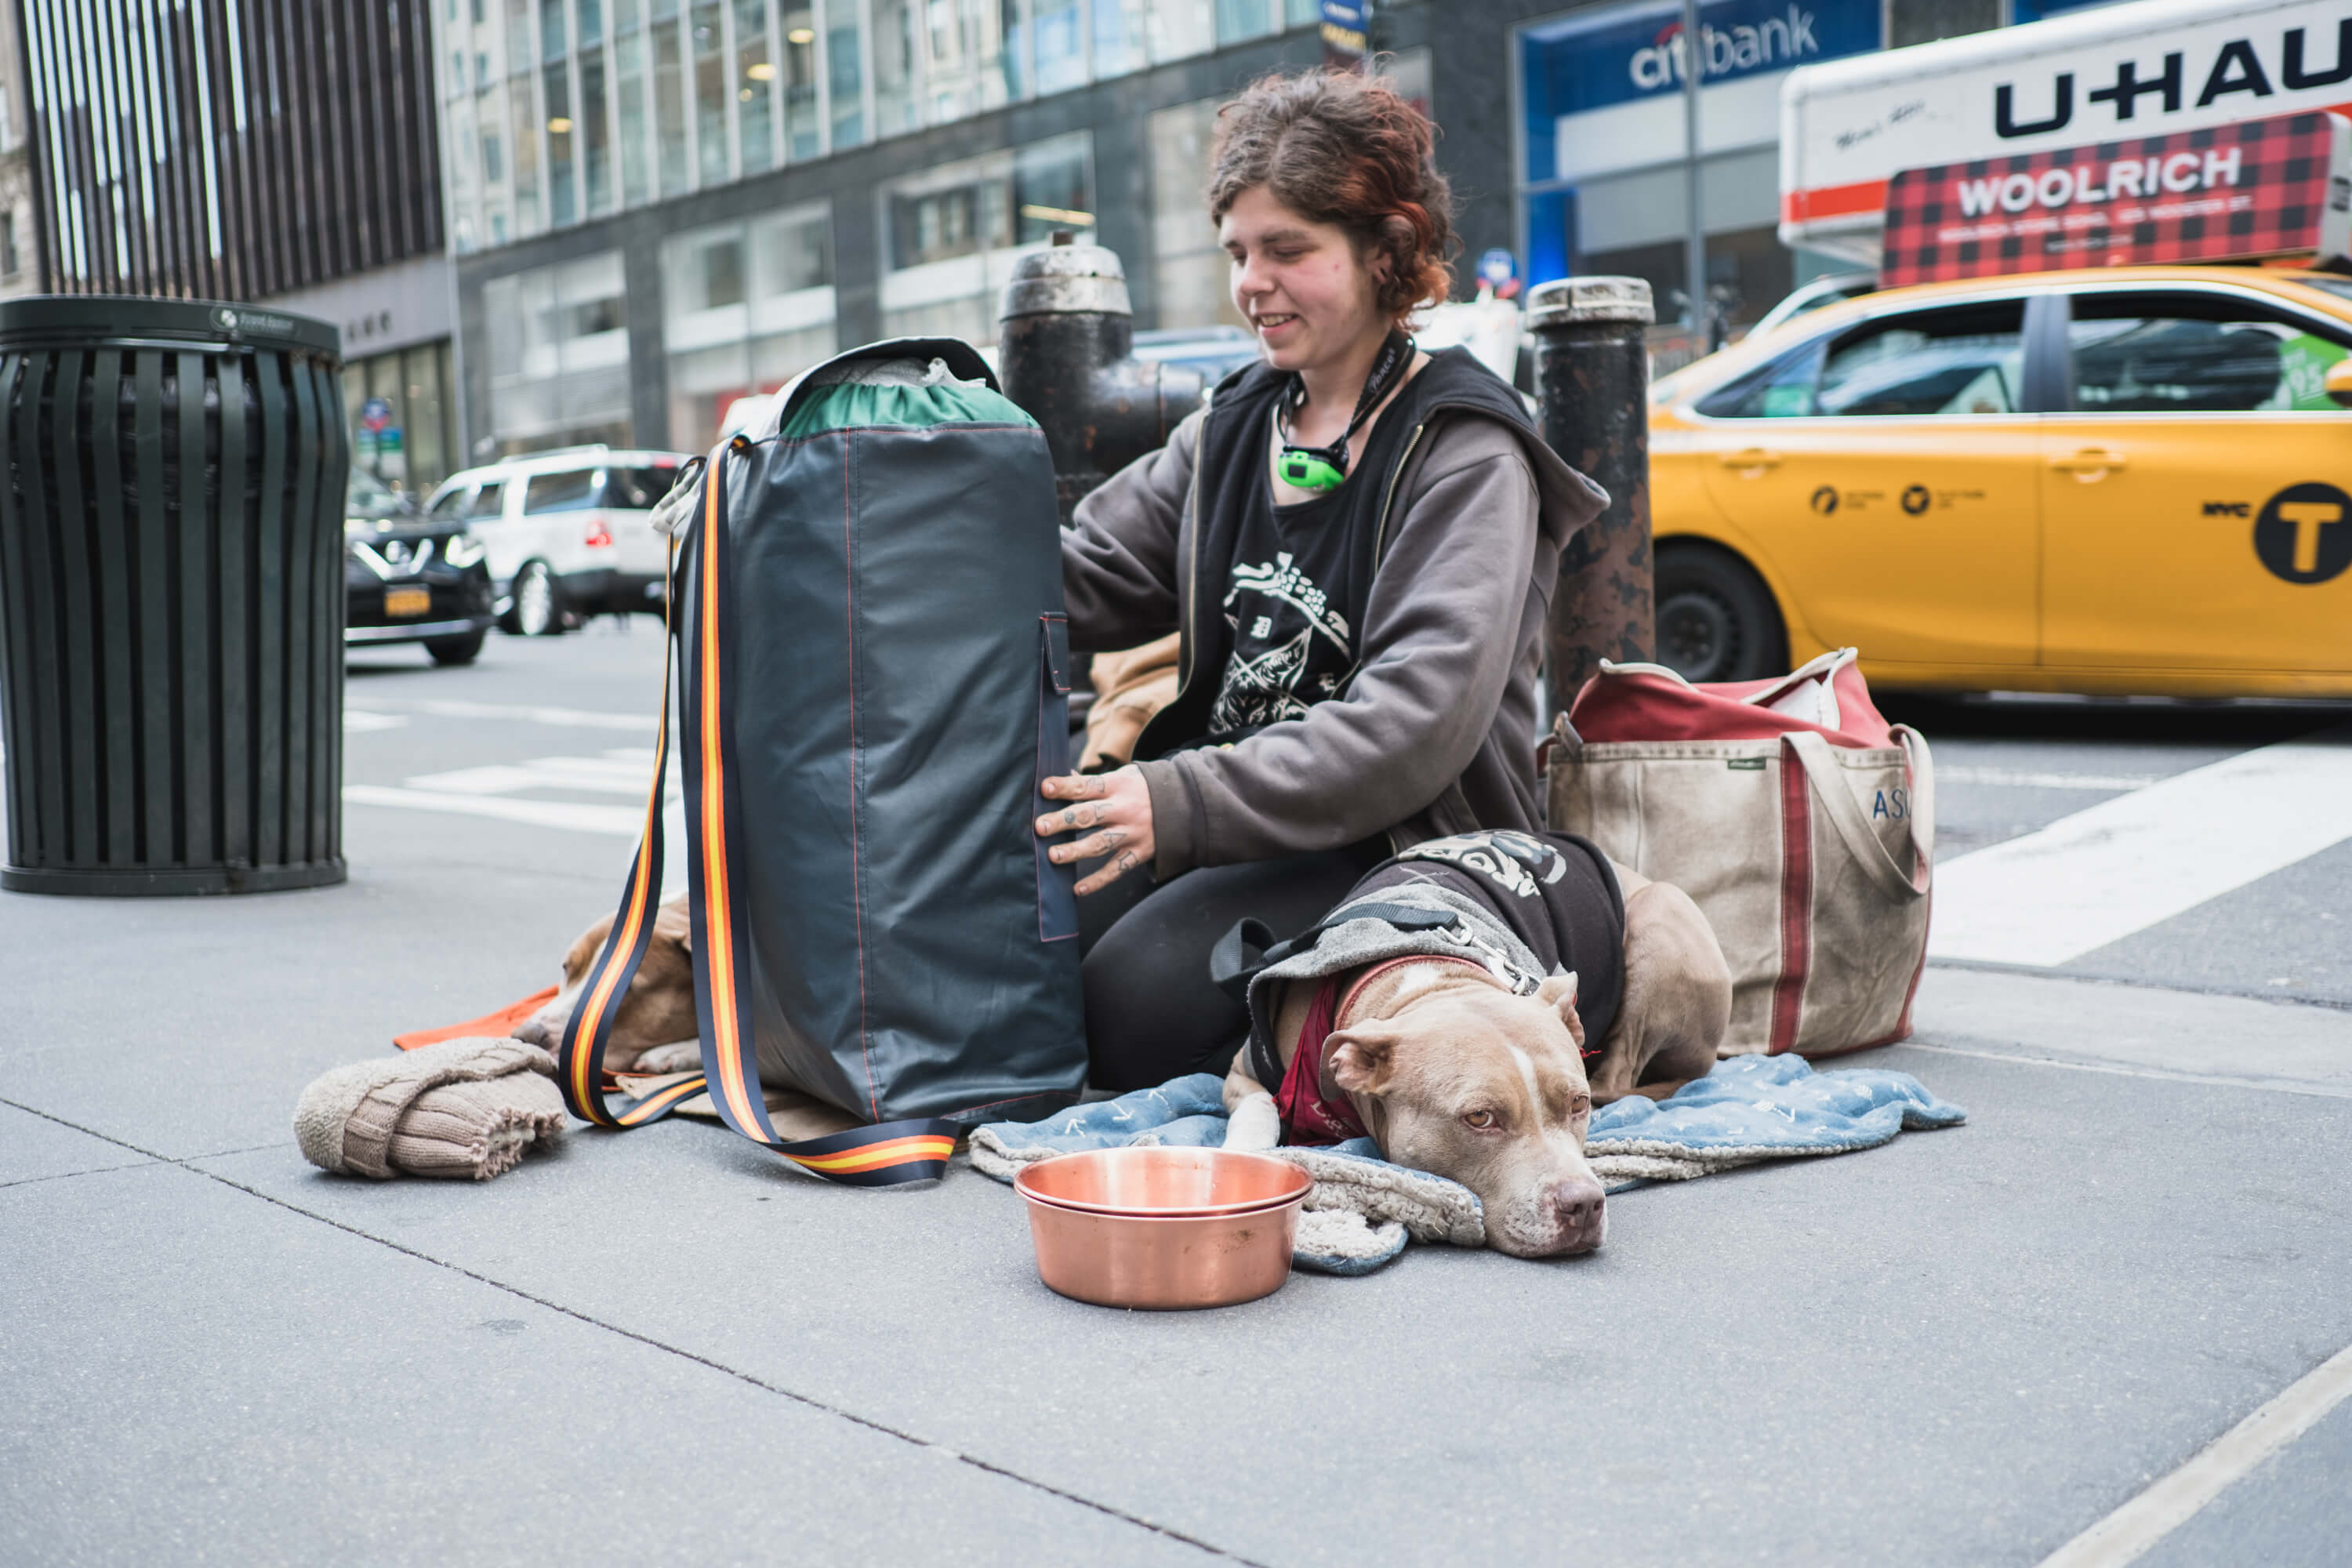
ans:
x=1117 y=806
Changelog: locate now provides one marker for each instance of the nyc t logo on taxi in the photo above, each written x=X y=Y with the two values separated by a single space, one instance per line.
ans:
x=2304 y=533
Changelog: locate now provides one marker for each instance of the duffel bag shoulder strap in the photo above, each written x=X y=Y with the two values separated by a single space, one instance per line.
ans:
x=887 y=1156
x=1812 y=753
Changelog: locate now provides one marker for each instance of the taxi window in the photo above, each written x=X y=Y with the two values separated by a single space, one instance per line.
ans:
x=1780 y=390
x=1967 y=359
x=450 y=505
x=488 y=501
x=2196 y=353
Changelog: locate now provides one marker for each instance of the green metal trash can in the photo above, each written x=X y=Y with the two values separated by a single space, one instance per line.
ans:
x=171 y=478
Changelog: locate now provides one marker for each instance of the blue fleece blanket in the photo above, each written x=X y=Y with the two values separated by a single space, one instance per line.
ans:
x=1750 y=1108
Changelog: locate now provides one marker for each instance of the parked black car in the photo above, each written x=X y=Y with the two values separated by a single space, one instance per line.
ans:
x=410 y=578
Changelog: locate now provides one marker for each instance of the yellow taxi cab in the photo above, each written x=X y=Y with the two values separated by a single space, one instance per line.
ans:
x=2122 y=480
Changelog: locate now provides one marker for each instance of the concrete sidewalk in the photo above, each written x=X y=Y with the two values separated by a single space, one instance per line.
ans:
x=1964 y=1348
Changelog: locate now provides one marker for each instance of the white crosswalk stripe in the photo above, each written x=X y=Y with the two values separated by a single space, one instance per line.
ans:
x=519 y=792
x=2125 y=864
x=2012 y=778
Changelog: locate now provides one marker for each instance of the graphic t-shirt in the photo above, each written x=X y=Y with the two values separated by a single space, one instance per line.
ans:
x=1296 y=568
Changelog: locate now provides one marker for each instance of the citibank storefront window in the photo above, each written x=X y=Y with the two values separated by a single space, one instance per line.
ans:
x=1603 y=161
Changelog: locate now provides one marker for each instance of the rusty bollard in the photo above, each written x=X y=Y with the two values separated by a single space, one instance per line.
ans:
x=1065 y=343
x=1593 y=385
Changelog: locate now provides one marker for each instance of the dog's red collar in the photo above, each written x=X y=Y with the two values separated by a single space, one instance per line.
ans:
x=1308 y=1115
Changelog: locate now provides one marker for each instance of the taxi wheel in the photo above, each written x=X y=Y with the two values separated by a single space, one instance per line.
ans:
x=1716 y=620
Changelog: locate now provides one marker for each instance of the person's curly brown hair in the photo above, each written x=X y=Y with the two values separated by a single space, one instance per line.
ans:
x=1345 y=150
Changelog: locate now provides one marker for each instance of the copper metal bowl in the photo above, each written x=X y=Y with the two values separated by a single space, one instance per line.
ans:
x=1194 y=1228
x=1163 y=1183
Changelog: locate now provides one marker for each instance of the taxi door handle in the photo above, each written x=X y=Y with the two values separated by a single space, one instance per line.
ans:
x=2090 y=463
x=1752 y=458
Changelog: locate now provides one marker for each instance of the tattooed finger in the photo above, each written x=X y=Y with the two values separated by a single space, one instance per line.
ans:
x=1093 y=847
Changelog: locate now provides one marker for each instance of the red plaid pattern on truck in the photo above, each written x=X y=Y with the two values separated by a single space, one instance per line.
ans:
x=2253 y=189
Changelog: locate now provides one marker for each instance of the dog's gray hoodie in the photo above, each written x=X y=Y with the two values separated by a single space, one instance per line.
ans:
x=1522 y=906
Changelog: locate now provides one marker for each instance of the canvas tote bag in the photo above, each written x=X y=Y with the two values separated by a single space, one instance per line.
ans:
x=867 y=603
x=1801 y=824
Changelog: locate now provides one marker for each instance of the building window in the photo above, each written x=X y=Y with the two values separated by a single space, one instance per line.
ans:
x=596 y=137
x=398 y=408
x=964 y=63
x=896 y=107
x=954 y=231
x=1131 y=35
x=9 y=265
x=1190 y=286
x=804 y=129
x=522 y=95
x=669 y=106
x=746 y=307
x=710 y=92
x=560 y=134
x=629 y=66
x=1238 y=20
x=845 y=71
x=1061 y=46
x=755 y=87
x=558 y=355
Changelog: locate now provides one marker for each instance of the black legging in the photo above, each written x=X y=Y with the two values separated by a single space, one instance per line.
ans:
x=1152 y=1013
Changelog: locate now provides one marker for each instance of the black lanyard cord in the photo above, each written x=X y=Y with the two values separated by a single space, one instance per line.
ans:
x=1396 y=356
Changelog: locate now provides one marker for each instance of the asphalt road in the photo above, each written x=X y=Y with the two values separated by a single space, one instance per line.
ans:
x=1964 y=1348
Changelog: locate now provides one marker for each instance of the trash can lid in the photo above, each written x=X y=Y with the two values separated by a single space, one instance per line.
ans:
x=132 y=319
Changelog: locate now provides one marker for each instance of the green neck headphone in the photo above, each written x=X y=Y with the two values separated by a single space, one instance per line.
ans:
x=1325 y=468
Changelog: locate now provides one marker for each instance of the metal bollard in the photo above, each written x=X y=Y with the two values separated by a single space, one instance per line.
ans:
x=1593 y=387
x=1064 y=343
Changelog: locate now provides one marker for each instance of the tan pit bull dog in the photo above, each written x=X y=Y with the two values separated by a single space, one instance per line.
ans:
x=1452 y=1072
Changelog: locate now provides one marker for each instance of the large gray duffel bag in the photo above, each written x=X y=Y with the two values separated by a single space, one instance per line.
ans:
x=867 y=608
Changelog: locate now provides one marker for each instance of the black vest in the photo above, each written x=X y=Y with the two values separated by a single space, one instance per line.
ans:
x=1232 y=457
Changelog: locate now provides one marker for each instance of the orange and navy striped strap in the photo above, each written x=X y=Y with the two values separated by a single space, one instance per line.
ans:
x=580 y=1057
x=887 y=1156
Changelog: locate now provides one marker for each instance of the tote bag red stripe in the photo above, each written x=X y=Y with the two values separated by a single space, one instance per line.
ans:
x=1796 y=905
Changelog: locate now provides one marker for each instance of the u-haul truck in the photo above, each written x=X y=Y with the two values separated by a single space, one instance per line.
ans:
x=2148 y=68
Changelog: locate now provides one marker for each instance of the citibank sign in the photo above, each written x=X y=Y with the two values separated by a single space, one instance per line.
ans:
x=1601 y=72
x=1782 y=40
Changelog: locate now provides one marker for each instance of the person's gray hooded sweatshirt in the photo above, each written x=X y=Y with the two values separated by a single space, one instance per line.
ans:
x=1433 y=733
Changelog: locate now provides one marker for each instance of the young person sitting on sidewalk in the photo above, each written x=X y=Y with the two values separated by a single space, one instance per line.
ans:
x=1357 y=543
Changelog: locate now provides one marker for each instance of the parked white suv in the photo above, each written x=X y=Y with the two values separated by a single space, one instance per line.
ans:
x=567 y=531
